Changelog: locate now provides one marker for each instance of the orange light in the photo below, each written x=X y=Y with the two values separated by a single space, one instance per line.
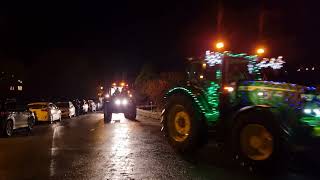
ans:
x=114 y=84
x=123 y=84
x=101 y=87
x=228 y=88
x=220 y=45
x=204 y=65
x=260 y=51
x=201 y=76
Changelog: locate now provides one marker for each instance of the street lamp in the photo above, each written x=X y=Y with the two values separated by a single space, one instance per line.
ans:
x=101 y=87
x=260 y=51
x=220 y=45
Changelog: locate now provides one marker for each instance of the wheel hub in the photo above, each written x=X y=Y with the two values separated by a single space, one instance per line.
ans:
x=179 y=123
x=256 y=142
x=182 y=123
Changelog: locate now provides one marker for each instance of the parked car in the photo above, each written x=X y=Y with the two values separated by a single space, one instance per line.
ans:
x=77 y=105
x=45 y=111
x=92 y=106
x=84 y=106
x=14 y=115
x=67 y=109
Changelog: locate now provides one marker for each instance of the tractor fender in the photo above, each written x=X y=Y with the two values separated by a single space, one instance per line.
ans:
x=188 y=93
x=247 y=109
x=279 y=116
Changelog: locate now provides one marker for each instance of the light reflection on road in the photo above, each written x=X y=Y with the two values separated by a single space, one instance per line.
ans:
x=57 y=129
x=121 y=163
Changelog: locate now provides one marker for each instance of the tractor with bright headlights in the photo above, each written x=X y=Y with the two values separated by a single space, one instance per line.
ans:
x=119 y=99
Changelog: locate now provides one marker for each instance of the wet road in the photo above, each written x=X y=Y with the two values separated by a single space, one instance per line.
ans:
x=86 y=148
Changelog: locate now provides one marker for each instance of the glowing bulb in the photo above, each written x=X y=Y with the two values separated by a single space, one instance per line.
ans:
x=307 y=111
x=124 y=101
x=229 y=89
x=260 y=93
x=317 y=111
x=117 y=102
x=260 y=51
x=201 y=76
x=219 y=45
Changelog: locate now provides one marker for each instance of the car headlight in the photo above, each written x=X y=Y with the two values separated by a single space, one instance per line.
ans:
x=124 y=101
x=117 y=102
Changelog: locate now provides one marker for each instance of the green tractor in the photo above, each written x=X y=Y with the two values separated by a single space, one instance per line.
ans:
x=259 y=122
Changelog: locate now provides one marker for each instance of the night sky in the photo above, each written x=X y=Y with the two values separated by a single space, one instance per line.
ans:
x=70 y=47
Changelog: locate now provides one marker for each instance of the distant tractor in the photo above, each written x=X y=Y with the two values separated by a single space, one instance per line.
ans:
x=119 y=99
x=258 y=122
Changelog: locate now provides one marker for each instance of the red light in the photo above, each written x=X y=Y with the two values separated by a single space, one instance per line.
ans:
x=4 y=114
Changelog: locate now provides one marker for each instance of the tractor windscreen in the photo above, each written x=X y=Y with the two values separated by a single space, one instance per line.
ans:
x=238 y=70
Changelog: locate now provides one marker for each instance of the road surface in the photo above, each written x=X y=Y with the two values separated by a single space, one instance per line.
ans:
x=86 y=148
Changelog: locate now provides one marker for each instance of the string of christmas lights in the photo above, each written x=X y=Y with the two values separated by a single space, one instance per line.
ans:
x=213 y=58
x=273 y=63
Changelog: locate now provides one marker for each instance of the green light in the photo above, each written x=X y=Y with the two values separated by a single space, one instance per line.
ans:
x=218 y=74
x=212 y=95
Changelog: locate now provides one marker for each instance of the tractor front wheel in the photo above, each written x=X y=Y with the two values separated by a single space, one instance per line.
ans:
x=258 y=142
x=107 y=113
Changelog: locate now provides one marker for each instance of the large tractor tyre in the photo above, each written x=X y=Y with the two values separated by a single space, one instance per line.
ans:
x=131 y=114
x=182 y=124
x=107 y=114
x=259 y=144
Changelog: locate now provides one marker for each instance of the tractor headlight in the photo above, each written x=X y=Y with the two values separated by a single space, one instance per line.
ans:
x=314 y=112
x=124 y=102
x=317 y=112
x=117 y=102
x=307 y=111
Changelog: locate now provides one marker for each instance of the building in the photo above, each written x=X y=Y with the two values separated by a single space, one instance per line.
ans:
x=10 y=85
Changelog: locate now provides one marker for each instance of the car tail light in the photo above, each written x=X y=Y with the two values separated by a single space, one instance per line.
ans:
x=3 y=114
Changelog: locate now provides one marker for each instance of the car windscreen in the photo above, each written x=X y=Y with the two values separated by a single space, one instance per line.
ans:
x=37 y=106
